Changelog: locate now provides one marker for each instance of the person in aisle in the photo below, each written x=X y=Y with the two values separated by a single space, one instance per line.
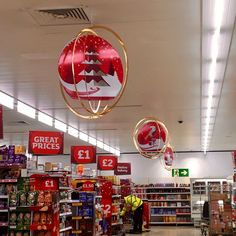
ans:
x=136 y=205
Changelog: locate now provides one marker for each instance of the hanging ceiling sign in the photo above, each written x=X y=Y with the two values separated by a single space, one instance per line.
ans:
x=46 y=142
x=107 y=162
x=91 y=73
x=123 y=169
x=1 y=122
x=83 y=154
x=150 y=137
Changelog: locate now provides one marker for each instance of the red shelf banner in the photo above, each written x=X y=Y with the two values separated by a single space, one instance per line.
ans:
x=123 y=169
x=46 y=142
x=107 y=162
x=83 y=154
x=44 y=182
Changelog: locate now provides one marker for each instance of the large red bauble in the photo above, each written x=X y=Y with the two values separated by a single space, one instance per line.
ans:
x=151 y=137
x=98 y=71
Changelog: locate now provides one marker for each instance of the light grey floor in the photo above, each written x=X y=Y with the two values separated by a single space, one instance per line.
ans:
x=172 y=231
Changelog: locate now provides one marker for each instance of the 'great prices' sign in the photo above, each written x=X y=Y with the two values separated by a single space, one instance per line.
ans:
x=107 y=162
x=83 y=154
x=46 y=142
x=123 y=169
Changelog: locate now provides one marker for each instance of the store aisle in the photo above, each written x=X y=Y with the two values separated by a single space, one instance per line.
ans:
x=172 y=231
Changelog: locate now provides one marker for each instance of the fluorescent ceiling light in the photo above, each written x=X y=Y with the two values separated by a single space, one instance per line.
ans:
x=92 y=141
x=106 y=148
x=6 y=100
x=112 y=150
x=100 y=144
x=60 y=125
x=73 y=132
x=26 y=110
x=215 y=43
x=44 y=118
x=117 y=153
x=83 y=136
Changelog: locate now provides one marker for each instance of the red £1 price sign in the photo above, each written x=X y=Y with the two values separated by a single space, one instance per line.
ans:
x=83 y=154
x=107 y=162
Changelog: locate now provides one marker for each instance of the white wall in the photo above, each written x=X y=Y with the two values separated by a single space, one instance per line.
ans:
x=144 y=170
x=212 y=165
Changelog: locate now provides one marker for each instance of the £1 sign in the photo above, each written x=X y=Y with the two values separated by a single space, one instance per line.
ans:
x=83 y=154
x=107 y=162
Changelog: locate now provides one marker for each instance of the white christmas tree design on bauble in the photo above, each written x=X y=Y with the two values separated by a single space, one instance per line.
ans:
x=98 y=71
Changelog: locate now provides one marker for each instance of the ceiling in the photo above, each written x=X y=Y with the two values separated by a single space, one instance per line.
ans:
x=163 y=40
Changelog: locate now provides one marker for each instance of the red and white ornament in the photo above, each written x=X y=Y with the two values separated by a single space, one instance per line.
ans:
x=91 y=69
x=169 y=156
x=150 y=137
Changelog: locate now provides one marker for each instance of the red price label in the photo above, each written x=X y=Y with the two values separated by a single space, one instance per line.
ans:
x=49 y=184
x=83 y=154
x=107 y=207
x=107 y=162
x=88 y=186
x=43 y=182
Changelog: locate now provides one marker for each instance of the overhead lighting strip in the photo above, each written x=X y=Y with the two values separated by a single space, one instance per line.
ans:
x=215 y=13
x=8 y=101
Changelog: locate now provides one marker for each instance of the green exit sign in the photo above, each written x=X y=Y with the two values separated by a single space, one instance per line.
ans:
x=180 y=172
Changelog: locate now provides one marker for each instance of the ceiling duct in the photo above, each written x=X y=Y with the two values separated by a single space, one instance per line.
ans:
x=61 y=16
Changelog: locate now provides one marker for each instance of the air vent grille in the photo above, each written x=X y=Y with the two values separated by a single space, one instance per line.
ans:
x=61 y=16
x=18 y=123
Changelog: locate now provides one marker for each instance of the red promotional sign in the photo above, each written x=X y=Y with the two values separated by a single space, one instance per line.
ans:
x=1 y=122
x=44 y=182
x=123 y=169
x=83 y=154
x=88 y=186
x=46 y=142
x=107 y=162
x=107 y=207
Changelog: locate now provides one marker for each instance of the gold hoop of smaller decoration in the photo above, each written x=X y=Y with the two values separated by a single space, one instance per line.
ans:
x=99 y=111
x=150 y=154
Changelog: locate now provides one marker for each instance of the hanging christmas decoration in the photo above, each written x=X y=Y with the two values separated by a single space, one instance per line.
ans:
x=150 y=137
x=168 y=157
x=92 y=77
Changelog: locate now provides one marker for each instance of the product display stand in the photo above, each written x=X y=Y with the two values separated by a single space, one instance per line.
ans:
x=12 y=160
x=108 y=202
x=65 y=191
x=200 y=192
x=82 y=199
x=220 y=212
x=44 y=205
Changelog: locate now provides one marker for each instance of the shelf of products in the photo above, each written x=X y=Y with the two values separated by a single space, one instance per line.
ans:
x=170 y=203
x=65 y=204
x=83 y=214
x=11 y=164
x=200 y=191
x=220 y=214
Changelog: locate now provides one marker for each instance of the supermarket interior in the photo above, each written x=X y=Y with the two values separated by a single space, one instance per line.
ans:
x=117 y=117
